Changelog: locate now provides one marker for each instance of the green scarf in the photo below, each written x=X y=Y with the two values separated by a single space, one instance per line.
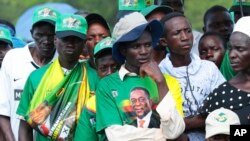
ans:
x=56 y=105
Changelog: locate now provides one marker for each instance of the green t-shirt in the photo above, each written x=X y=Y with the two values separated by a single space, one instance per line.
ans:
x=113 y=99
x=93 y=76
x=29 y=90
x=86 y=127
x=226 y=68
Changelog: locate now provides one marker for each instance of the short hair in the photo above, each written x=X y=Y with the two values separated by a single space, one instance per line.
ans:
x=206 y=34
x=168 y=17
x=213 y=9
x=143 y=89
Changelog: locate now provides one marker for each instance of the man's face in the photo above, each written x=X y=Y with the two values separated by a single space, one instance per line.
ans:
x=137 y=52
x=4 y=48
x=239 y=51
x=105 y=65
x=43 y=35
x=211 y=48
x=69 y=48
x=96 y=32
x=219 y=22
x=140 y=102
x=177 y=5
x=179 y=37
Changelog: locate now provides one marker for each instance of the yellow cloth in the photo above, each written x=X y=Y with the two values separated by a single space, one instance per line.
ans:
x=175 y=90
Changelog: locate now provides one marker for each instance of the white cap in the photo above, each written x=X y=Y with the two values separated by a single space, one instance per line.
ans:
x=127 y=23
x=242 y=25
x=219 y=121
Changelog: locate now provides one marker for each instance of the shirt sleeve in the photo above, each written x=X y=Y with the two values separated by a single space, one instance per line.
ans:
x=172 y=124
x=5 y=90
x=123 y=133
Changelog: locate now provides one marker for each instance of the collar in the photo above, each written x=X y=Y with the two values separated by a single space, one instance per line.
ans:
x=146 y=119
x=123 y=72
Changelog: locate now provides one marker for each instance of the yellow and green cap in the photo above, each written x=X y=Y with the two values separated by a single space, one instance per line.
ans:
x=103 y=45
x=71 y=25
x=5 y=36
x=45 y=14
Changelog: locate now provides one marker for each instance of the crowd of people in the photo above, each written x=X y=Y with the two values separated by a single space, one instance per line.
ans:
x=151 y=78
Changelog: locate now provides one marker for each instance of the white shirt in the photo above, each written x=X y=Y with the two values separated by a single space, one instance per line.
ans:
x=16 y=67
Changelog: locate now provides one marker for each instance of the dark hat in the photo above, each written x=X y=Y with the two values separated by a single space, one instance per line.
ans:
x=94 y=17
x=129 y=28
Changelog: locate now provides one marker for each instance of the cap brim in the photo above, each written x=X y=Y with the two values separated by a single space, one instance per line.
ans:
x=90 y=18
x=155 y=30
x=6 y=41
x=102 y=51
x=62 y=34
x=217 y=130
x=45 y=20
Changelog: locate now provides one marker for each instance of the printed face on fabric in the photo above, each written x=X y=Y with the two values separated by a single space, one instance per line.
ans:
x=141 y=104
x=212 y=48
x=220 y=22
x=43 y=34
x=239 y=51
x=138 y=52
x=179 y=37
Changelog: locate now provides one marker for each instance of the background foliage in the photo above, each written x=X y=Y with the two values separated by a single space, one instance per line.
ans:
x=194 y=9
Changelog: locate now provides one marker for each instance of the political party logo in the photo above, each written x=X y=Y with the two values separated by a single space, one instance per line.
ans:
x=2 y=34
x=107 y=43
x=71 y=22
x=221 y=117
x=46 y=12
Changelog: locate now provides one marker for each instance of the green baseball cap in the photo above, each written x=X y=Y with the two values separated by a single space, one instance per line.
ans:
x=5 y=36
x=152 y=8
x=104 y=44
x=45 y=14
x=71 y=25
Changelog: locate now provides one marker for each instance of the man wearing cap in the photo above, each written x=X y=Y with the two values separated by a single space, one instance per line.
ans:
x=218 y=124
x=135 y=39
x=5 y=43
x=54 y=95
x=155 y=12
x=98 y=29
x=18 y=63
x=105 y=65
x=17 y=43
